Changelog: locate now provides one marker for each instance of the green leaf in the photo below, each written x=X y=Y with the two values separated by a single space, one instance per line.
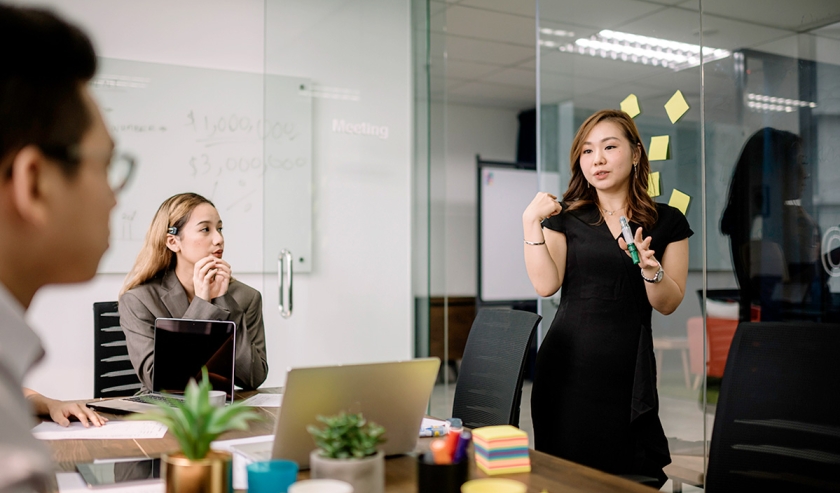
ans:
x=346 y=435
x=194 y=422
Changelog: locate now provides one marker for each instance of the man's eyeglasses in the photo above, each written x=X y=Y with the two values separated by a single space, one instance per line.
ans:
x=120 y=170
x=120 y=167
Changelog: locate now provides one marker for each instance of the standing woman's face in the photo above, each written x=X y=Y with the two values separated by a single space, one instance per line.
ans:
x=607 y=157
x=199 y=237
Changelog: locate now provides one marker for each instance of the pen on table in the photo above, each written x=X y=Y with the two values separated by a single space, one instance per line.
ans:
x=461 y=447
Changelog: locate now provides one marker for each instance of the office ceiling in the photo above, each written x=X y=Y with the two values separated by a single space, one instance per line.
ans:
x=491 y=60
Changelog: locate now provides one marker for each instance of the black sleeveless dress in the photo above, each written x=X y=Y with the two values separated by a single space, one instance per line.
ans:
x=594 y=397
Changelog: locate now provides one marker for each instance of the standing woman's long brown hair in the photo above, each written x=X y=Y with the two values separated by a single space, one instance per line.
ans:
x=155 y=258
x=641 y=208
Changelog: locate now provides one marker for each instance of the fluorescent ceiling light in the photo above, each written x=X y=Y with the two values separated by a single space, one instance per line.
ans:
x=557 y=32
x=628 y=47
x=760 y=102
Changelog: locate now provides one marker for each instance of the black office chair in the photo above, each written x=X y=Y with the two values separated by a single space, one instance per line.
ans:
x=777 y=425
x=489 y=388
x=113 y=374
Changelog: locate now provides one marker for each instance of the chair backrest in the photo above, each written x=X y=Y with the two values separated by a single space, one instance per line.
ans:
x=113 y=374
x=489 y=388
x=777 y=424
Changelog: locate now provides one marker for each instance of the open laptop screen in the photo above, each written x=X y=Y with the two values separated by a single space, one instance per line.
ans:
x=183 y=346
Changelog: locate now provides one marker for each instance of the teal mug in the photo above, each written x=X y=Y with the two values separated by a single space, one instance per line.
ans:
x=274 y=476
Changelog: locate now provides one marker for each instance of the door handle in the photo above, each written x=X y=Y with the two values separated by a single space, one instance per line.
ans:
x=284 y=281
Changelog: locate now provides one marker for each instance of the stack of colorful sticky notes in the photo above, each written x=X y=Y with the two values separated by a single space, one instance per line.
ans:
x=501 y=449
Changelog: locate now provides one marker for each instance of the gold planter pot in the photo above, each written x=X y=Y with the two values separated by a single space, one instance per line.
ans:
x=212 y=474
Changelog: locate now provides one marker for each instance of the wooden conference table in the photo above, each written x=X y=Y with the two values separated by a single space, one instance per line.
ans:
x=548 y=473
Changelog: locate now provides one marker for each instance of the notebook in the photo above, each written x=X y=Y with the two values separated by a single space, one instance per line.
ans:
x=394 y=395
x=182 y=347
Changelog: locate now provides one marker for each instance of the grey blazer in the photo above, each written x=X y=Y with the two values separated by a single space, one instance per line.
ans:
x=164 y=297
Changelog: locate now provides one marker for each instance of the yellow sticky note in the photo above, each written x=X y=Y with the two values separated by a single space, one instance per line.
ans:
x=653 y=184
x=679 y=200
x=660 y=148
x=676 y=106
x=630 y=105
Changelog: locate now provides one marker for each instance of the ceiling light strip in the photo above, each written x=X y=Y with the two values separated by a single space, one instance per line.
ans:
x=761 y=98
x=634 y=48
x=760 y=102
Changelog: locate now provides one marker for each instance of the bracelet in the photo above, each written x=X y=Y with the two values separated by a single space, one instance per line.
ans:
x=535 y=242
x=657 y=278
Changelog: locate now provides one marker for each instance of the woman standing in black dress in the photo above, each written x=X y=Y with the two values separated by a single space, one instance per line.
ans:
x=594 y=397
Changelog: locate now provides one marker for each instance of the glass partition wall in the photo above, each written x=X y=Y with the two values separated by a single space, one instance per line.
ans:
x=752 y=151
x=771 y=168
x=429 y=206
x=744 y=143
x=474 y=75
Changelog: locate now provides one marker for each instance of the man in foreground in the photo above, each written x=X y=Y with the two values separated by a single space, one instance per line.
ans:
x=55 y=202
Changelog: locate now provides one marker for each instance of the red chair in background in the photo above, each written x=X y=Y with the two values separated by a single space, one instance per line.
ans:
x=720 y=332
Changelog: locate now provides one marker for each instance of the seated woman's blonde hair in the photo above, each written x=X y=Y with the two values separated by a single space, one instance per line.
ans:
x=155 y=258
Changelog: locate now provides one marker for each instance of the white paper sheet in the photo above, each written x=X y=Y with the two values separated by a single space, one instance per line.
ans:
x=264 y=400
x=240 y=462
x=429 y=422
x=72 y=482
x=430 y=426
x=112 y=430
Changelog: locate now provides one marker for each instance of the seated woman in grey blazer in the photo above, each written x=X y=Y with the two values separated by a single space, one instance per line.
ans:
x=180 y=273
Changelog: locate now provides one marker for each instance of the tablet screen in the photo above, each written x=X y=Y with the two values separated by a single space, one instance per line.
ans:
x=183 y=346
x=110 y=473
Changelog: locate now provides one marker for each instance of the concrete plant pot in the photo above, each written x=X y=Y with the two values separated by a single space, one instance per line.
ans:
x=366 y=475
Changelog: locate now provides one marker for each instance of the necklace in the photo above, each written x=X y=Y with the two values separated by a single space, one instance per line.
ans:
x=608 y=212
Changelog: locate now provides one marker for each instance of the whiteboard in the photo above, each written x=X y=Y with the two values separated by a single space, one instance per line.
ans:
x=212 y=132
x=505 y=193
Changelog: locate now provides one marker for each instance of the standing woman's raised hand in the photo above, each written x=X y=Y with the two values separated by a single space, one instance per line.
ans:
x=647 y=260
x=543 y=206
x=211 y=278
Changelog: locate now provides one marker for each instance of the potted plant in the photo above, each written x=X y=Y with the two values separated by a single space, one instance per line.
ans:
x=347 y=450
x=195 y=423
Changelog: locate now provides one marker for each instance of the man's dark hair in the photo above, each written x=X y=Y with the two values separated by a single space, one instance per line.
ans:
x=44 y=62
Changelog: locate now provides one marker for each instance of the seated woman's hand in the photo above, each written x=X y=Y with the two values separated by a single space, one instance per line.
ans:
x=211 y=278
x=62 y=411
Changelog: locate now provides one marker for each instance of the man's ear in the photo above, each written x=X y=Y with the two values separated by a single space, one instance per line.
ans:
x=173 y=243
x=29 y=182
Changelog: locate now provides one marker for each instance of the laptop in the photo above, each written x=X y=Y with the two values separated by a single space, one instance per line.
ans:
x=182 y=348
x=394 y=395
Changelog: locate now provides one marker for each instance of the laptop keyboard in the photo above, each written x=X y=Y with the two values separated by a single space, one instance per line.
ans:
x=153 y=398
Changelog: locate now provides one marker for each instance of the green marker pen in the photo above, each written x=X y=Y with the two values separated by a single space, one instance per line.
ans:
x=628 y=238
